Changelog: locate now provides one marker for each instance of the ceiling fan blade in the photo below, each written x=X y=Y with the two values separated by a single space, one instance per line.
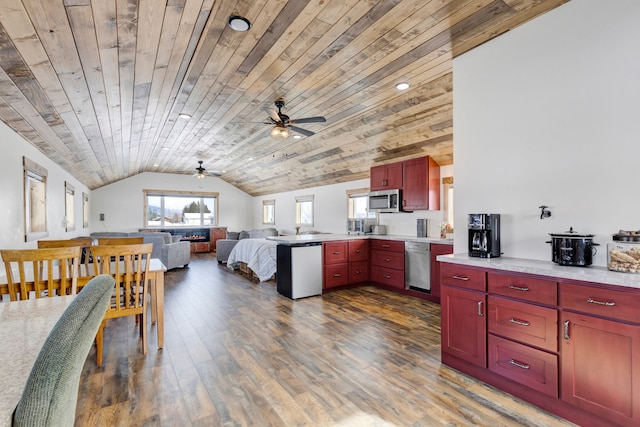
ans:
x=318 y=119
x=302 y=131
x=273 y=115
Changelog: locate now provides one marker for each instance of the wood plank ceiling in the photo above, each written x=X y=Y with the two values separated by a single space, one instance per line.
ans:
x=98 y=85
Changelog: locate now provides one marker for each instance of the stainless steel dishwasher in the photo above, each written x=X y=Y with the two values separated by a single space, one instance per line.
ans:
x=417 y=266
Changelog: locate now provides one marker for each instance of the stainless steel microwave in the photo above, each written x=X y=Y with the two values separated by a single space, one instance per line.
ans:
x=385 y=201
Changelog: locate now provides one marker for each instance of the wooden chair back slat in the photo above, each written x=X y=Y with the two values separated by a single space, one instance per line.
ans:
x=84 y=242
x=60 y=264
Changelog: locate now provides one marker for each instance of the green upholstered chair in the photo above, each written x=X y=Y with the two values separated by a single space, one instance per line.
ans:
x=51 y=393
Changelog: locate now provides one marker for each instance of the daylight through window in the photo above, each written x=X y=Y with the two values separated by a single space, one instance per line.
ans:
x=358 y=204
x=167 y=209
x=269 y=212
x=304 y=211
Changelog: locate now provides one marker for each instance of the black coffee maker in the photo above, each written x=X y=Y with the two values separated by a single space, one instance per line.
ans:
x=484 y=235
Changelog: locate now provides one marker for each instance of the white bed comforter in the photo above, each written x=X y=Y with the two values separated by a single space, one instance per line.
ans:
x=258 y=254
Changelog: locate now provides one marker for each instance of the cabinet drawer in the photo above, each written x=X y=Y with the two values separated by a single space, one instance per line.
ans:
x=528 y=366
x=388 y=259
x=358 y=271
x=387 y=245
x=527 y=323
x=621 y=305
x=524 y=288
x=358 y=250
x=336 y=275
x=335 y=252
x=387 y=276
x=455 y=275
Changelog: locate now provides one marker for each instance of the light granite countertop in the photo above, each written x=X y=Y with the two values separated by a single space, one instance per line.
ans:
x=319 y=238
x=24 y=327
x=591 y=273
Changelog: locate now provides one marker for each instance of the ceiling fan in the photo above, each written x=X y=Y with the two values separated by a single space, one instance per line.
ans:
x=282 y=123
x=201 y=172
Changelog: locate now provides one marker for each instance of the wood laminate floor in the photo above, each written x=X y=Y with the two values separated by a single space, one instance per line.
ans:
x=239 y=354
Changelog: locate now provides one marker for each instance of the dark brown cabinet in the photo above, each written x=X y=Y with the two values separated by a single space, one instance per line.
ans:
x=345 y=262
x=421 y=184
x=386 y=177
x=463 y=303
x=600 y=357
x=435 y=250
x=570 y=348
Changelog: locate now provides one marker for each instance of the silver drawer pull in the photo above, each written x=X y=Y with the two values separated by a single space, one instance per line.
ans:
x=607 y=303
x=518 y=288
x=337 y=275
x=461 y=278
x=480 y=313
x=566 y=330
x=358 y=251
x=386 y=259
x=519 y=364
x=519 y=322
x=336 y=253
x=386 y=276
x=386 y=246
x=358 y=271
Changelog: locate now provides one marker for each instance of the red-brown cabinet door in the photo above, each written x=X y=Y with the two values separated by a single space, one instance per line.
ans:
x=464 y=325
x=358 y=250
x=600 y=367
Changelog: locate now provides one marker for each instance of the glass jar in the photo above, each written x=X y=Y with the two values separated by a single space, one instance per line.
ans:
x=623 y=256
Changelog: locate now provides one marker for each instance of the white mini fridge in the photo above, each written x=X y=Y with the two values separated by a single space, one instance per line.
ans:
x=299 y=273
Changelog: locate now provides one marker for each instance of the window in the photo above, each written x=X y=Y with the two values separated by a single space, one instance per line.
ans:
x=35 y=200
x=177 y=209
x=85 y=210
x=69 y=218
x=447 y=185
x=269 y=212
x=358 y=204
x=304 y=211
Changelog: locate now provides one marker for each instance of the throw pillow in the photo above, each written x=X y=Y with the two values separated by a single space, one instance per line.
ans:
x=175 y=239
x=233 y=235
x=244 y=235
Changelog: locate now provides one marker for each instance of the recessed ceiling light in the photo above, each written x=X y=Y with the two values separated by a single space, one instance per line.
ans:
x=184 y=116
x=297 y=136
x=250 y=158
x=402 y=86
x=165 y=148
x=239 y=23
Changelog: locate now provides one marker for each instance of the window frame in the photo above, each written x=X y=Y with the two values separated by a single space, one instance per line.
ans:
x=35 y=225
x=266 y=204
x=299 y=201
x=357 y=193
x=85 y=210
x=186 y=194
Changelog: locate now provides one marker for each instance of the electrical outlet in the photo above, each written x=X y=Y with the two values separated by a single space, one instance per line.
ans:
x=101 y=217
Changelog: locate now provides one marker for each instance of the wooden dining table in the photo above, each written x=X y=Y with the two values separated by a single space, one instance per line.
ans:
x=25 y=325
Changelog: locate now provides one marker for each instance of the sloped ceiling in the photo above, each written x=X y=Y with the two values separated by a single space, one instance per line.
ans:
x=98 y=85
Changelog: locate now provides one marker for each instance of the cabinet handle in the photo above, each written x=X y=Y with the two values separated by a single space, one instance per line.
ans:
x=461 y=278
x=386 y=259
x=519 y=364
x=337 y=275
x=386 y=276
x=480 y=309
x=336 y=253
x=518 y=288
x=386 y=246
x=384 y=182
x=566 y=330
x=358 y=251
x=607 y=303
x=358 y=271
x=519 y=322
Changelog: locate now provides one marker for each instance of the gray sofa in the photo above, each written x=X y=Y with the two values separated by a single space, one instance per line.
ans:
x=169 y=249
x=224 y=246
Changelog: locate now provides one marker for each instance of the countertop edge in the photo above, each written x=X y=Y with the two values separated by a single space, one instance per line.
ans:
x=593 y=274
x=319 y=238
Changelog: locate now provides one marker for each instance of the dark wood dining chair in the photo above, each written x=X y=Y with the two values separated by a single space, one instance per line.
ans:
x=131 y=275
x=54 y=270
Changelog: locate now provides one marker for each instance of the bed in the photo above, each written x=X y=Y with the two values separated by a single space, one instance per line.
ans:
x=258 y=254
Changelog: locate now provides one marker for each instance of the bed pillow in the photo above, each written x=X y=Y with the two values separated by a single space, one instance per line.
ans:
x=233 y=235
x=244 y=235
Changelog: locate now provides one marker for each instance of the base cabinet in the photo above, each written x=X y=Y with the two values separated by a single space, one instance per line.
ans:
x=345 y=262
x=570 y=348
x=600 y=367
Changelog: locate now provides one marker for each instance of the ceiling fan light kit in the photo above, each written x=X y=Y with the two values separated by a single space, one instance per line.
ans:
x=279 y=132
x=239 y=23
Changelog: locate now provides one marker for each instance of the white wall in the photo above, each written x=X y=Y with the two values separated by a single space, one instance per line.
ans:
x=330 y=210
x=547 y=114
x=12 y=232
x=123 y=202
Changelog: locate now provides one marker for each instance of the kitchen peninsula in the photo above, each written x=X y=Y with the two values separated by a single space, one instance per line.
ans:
x=566 y=339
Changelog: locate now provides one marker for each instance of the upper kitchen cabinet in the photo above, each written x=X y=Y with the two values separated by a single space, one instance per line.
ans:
x=421 y=189
x=386 y=177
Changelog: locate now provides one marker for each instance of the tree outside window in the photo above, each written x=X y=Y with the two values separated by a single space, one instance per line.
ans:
x=175 y=209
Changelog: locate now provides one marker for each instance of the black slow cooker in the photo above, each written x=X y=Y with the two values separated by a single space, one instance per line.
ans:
x=572 y=248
